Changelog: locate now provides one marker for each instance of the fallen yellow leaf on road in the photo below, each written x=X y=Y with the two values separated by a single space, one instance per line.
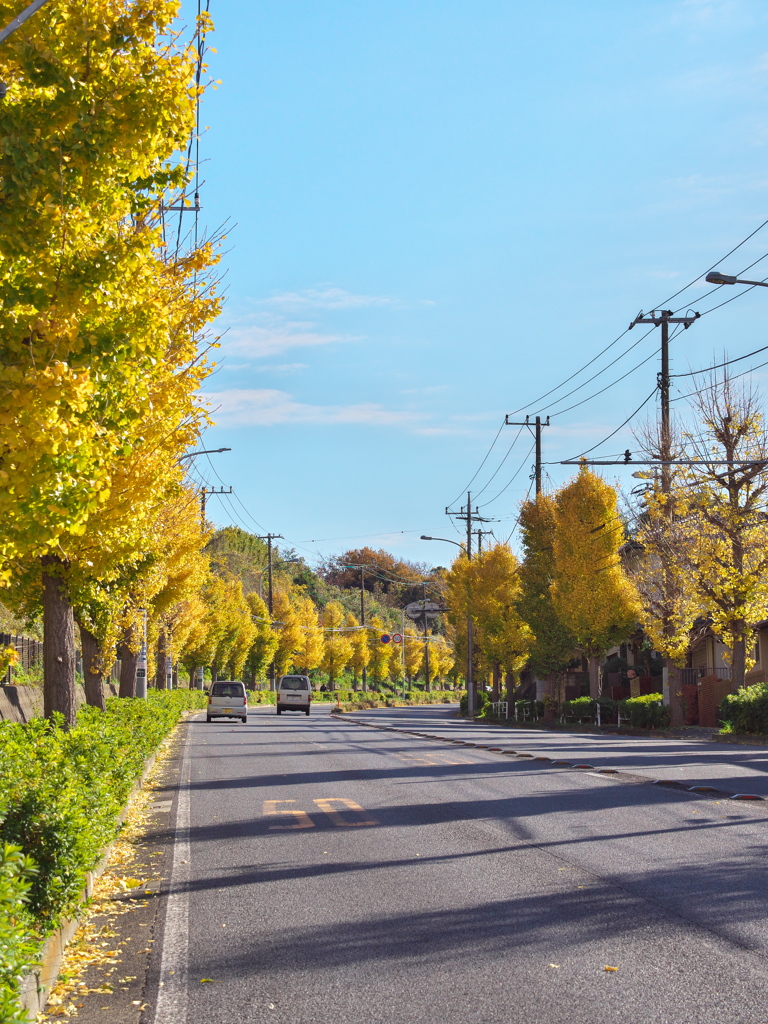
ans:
x=606 y=968
x=204 y=980
x=554 y=965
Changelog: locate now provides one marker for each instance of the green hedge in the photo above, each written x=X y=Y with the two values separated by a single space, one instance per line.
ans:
x=746 y=710
x=363 y=701
x=63 y=792
x=647 y=712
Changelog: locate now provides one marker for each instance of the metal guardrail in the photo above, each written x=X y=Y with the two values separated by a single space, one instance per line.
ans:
x=500 y=709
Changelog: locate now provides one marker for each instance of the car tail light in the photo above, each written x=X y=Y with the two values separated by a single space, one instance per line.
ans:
x=210 y=700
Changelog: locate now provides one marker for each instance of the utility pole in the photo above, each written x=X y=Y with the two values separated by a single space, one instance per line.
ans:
x=206 y=491
x=480 y=534
x=362 y=622
x=538 y=427
x=428 y=686
x=471 y=517
x=663 y=318
x=269 y=537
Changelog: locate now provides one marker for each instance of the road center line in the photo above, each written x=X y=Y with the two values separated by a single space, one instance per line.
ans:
x=172 y=994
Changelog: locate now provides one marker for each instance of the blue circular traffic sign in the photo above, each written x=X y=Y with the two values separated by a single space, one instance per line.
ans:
x=385 y=638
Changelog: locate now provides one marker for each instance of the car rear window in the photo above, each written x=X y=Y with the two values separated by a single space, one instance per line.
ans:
x=294 y=683
x=227 y=690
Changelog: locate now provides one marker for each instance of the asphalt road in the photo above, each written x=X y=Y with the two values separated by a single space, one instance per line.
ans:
x=326 y=872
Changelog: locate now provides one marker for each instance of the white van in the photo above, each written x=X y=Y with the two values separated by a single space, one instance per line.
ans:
x=227 y=700
x=294 y=693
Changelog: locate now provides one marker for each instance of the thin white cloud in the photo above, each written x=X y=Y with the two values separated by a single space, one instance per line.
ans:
x=326 y=297
x=267 y=407
x=256 y=341
x=281 y=368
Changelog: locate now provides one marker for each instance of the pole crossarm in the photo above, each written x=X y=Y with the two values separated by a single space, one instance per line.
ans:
x=664 y=317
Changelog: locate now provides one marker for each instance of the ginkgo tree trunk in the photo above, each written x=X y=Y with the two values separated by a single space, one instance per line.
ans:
x=592 y=595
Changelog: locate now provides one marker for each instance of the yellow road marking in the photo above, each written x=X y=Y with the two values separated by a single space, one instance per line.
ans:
x=326 y=803
x=303 y=820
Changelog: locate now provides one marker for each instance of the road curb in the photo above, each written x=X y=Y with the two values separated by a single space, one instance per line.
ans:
x=609 y=773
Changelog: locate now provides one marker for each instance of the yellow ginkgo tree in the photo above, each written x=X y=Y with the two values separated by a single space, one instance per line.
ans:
x=338 y=644
x=100 y=101
x=592 y=595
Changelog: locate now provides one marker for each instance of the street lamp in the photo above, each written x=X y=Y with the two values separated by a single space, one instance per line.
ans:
x=715 y=277
x=470 y=650
x=205 y=451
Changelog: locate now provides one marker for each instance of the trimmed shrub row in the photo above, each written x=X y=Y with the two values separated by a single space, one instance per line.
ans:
x=362 y=701
x=63 y=793
x=746 y=710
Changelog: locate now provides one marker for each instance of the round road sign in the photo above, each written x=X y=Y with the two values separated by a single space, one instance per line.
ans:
x=385 y=638
x=397 y=638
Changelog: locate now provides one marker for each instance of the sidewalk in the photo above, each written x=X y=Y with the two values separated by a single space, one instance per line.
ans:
x=728 y=768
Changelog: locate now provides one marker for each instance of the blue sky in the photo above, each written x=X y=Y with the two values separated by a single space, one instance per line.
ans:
x=444 y=209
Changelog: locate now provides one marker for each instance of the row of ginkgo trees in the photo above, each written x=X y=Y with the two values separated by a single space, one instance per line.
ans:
x=332 y=640
x=569 y=591
x=102 y=347
x=697 y=551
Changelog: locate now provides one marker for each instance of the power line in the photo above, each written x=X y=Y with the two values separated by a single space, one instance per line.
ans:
x=718 y=366
x=666 y=301
x=606 y=367
x=693 y=282
x=569 y=379
x=465 y=489
x=607 y=386
x=510 y=482
x=716 y=384
x=509 y=450
x=626 y=421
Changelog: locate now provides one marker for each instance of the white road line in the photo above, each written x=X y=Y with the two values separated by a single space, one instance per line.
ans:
x=171 y=1007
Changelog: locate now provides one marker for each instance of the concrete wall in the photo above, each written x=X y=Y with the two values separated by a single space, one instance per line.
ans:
x=21 y=703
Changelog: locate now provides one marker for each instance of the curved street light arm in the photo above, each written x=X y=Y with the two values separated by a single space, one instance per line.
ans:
x=445 y=540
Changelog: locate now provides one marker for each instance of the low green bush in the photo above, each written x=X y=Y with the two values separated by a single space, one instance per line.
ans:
x=746 y=710
x=63 y=792
x=579 y=708
x=647 y=712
